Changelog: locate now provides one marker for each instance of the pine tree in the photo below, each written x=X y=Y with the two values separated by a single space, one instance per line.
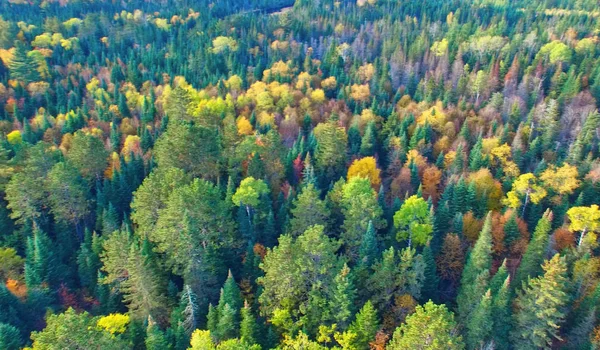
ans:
x=228 y=325
x=431 y=326
x=365 y=326
x=190 y=312
x=155 y=338
x=23 y=67
x=368 y=250
x=88 y=263
x=501 y=311
x=511 y=230
x=430 y=285
x=308 y=210
x=476 y=160
x=536 y=250
x=476 y=273
x=212 y=319
x=39 y=261
x=479 y=326
x=10 y=337
x=545 y=295
x=343 y=298
x=249 y=332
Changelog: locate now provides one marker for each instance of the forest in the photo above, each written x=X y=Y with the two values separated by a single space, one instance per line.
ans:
x=299 y=175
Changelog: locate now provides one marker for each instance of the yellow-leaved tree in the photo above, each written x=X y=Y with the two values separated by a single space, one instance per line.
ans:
x=561 y=180
x=114 y=323
x=584 y=219
x=365 y=168
x=526 y=188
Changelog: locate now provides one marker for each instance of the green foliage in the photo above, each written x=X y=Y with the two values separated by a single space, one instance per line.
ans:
x=545 y=295
x=430 y=327
x=71 y=330
x=413 y=221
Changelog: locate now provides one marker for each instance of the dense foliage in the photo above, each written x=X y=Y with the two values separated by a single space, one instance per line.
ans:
x=266 y=174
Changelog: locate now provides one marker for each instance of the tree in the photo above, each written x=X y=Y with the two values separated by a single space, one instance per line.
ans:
x=88 y=155
x=531 y=263
x=10 y=337
x=396 y=274
x=474 y=280
x=561 y=180
x=11 y=264
x=67 y=195
x=539 y=307
x=308 y=210
x=413 y=221
x=155 y=338
x=526 y=185
x=71 y=330
x=479 y=326
x=202 y=222
x=249 y=193
x=22 y=66
x=430 y=327
x=152 y=196
x=307 y=261
x=249 y=332
x=365 y=326
x=584 y=219
x=359 y=206
x=190 y=312
x=40 y=262
x=501 y=311
x=190 y=148
x=555 y=51
x=343 y=298
x=365 y=168
x=330 y=153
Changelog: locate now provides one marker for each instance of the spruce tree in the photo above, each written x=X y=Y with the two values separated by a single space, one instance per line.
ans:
x=155 y=338
x=343 y=298
x=479 y=325
x=249 y=332
x=474 y=278
x=540 y=307
x=365 y=326
x=534 y=255
x=501 y=312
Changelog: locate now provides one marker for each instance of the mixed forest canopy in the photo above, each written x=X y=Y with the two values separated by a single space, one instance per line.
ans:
x=309 y=174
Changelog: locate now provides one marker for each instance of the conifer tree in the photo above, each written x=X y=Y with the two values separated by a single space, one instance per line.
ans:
x=531 y=264
x=343 y=298
x=501 y=313
x=430 y=327
x=249 y=332
x=539 y=307
x=155 y=338
x=365 y=326
x=473 y=283
x=479 y=326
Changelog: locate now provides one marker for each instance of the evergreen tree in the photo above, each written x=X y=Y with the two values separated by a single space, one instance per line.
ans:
x=501 y=313
x=10 y=338
x=531 y=264
x=343 y=298
x=365 y=326
x=22 y=66
x=479 y=326
x=545 y=295
x=155 y=338
x=249 y=332
x=430 y=285
x=474 y=280
x=189 y=310
x=430 y=327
